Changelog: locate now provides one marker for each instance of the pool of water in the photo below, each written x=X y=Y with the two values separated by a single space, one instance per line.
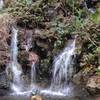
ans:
x=16 y=97
x=75 y=93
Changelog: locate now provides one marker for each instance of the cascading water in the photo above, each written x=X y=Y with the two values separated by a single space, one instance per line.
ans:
x=33 y=73
x=28 y=46
x=1 y=4
x=63 y=68
x=15 y=68
x=62 y=72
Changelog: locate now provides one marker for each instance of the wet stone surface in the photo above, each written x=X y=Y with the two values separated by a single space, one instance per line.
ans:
x=76 y=93
x=49 y=98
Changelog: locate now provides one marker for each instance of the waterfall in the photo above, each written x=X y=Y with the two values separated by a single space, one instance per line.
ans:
x=14 y=68
x=63 y=68
x=62 y=72
x=1 y=4
x=14 y=48
x=33 y=73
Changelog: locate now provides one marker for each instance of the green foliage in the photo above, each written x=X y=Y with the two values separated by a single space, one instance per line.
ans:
x=91 y=57
x=45 y=67
x=26 y=2
x=96 y=16
x=77 y=22
x=61 y=30
x=71 y=3
x=97 y=49
x=98 y=71
x=26 y=12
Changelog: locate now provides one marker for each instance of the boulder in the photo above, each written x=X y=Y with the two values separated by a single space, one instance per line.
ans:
x=93 y=85
x=78 y=78
x=36 y=97
x=83 y=75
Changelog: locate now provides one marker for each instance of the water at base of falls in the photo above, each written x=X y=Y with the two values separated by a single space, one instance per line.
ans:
x=68 y=91
x=62 y=72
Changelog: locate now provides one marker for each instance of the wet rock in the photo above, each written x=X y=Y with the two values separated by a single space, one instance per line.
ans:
x=78 y=78
x=35 y=92
x=23 y=58
x=25 y=39
x=82 y=76
x=4 y=83
x=33 y=57
x=36 y=97
x=25 y=80
x=4 y=92
x=93 y=85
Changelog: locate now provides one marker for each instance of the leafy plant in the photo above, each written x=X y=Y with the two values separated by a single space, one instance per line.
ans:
x=98 y=71
x=96 y=16
x=26 y=2
x=98 y=49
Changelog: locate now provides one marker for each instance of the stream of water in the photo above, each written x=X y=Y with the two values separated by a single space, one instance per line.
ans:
x=16 y=85
x=33 y=73
x=1 y=4
x=62 y=72
x=63 y=67
x=15 y=70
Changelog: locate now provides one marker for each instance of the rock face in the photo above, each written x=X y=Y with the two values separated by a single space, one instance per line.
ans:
x=5 y=22
x=82 y=76
x=33 y=57
x=93 y=85
x=4 y=83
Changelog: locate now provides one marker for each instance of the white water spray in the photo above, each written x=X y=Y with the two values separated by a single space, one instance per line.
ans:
x=33 y=73
x=62 y=72
x=15 y=68
x=1 y=4
x=63 y=69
